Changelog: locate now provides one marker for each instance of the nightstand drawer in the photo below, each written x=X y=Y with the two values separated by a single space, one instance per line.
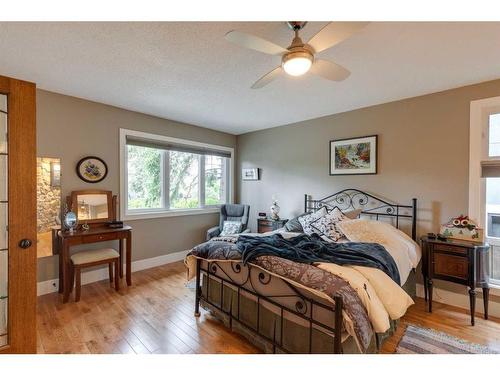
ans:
x=450 y=266
x=450 y=249
x=268 y=225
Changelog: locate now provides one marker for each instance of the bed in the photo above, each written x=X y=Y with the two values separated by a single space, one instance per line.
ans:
x=269 y=303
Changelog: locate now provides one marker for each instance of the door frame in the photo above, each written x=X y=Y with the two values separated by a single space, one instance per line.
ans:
x=21 y=135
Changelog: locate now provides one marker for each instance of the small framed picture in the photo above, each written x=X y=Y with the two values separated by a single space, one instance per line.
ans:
x=353 y=156
x=92 y=169
x=250 y=174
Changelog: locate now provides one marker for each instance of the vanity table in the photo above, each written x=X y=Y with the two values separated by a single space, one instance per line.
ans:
x=95 y=208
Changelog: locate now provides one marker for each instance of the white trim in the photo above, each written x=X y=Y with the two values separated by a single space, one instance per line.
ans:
x=51 y=286
x=151 y=214
x=478 y=151
x=462 y=299
x=170 y=213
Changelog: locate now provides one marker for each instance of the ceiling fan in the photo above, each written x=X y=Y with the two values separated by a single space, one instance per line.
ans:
x=299 y=57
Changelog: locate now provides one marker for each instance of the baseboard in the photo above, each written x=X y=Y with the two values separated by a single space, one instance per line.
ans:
x=51 y=286
x=460 y=300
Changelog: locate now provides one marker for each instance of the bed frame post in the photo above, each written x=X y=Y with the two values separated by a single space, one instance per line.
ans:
x=305 y=203
x=414 y=219
x=337 y=344
x=198 y=288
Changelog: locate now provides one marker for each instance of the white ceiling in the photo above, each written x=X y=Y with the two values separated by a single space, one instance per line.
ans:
x=188 y=72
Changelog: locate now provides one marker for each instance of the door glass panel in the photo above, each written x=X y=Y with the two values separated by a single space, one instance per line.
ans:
x=4 y=253
x=3 y=178
x=3 y=103
x=3 y=226
x=3 y=132
x=3 y=316
x=3 y=272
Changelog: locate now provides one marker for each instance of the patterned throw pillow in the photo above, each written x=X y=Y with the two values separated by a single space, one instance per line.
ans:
x=231 y=227
x=326 y=226
x=306 y=220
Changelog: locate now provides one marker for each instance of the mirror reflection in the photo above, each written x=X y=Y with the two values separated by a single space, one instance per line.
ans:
x=92 y=206
x=48 y=204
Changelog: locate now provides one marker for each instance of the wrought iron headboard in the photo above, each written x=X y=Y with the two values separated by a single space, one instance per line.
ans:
x=352 y=199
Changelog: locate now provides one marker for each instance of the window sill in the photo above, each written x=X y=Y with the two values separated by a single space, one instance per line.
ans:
x=495 y=289
x=170 y=213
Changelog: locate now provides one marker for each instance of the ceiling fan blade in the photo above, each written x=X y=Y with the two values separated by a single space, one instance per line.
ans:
x=334 y=33
x=329 y=70
x=267 y=78
x=254 y=42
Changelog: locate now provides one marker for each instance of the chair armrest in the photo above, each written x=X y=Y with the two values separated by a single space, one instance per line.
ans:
x=213 y=232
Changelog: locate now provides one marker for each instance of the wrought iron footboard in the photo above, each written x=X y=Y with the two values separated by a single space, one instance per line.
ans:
x=252 y=280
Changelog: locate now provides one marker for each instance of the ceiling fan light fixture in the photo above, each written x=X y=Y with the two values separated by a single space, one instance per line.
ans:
x=297 y=63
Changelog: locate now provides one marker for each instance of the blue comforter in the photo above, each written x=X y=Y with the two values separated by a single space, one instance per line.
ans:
x=312 y=249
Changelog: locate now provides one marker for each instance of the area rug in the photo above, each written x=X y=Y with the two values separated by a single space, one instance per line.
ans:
x=418 y=340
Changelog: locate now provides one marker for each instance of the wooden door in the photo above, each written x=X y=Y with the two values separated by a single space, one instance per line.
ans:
x=17 y=216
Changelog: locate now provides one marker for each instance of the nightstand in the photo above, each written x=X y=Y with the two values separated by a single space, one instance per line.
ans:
x=268 y=225
x=457 y=261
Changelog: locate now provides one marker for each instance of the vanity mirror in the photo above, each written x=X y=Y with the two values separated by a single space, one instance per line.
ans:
x=93 y=206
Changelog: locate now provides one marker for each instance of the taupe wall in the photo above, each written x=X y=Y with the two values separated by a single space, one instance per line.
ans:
x=423 y=153
x=71 y=128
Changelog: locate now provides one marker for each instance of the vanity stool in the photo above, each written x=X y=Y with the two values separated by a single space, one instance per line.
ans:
x=91 y=258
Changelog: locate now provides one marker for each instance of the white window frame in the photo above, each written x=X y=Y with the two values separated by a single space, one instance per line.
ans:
x=480 y=110
x=138 y=214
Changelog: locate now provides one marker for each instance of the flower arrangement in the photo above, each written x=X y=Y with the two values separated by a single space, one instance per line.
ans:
x=462 y=228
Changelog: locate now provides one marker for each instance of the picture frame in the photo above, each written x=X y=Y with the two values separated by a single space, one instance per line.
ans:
x=354 y=156
x=92 y=169
x=250 y=174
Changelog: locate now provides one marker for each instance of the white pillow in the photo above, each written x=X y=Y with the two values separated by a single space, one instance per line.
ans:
x=326 y=226
x=306 y=220
x=231 y=227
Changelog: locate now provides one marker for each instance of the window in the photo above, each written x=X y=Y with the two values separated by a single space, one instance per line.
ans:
x=494 y=134
x=484 y=175
x=163 y=176
x=493 y=196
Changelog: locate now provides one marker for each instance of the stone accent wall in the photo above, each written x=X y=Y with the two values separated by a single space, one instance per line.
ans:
x=48 y=197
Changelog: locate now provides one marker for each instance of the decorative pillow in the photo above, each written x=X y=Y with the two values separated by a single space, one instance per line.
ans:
x=306 y=220
x=231 y=227
x=326 y=226
x=293 y=225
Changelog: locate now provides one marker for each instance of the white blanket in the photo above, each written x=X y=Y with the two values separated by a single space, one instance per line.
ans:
x=405 y=252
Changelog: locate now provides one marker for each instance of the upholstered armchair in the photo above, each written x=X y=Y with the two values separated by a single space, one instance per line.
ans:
x=231 y=212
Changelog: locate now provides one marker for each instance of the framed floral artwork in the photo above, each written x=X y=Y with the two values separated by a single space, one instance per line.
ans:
x=353 y=156
x=92 y=169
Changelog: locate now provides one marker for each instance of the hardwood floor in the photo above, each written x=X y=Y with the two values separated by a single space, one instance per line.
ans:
x=155 y=315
